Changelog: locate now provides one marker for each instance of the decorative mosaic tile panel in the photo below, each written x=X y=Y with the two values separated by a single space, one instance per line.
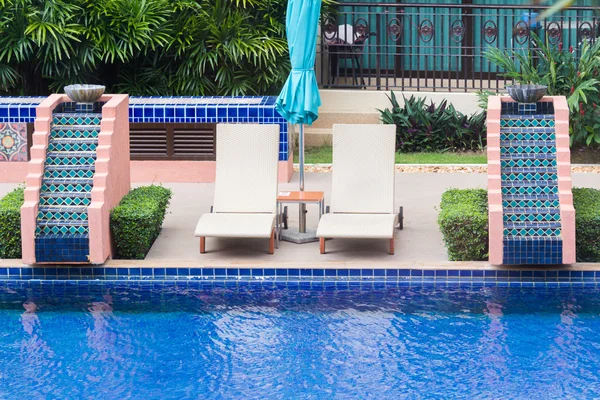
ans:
x=532 y=216
x=528 y=176
x=541 y=149
x=530 y=190
x=74 y=119
x=90 y=132
x=518 y=134
x=532 y=225
x=68 y=172
x=13 y=141
x=55 y=145
x=62 y=231
x=527 y=122
x=528 y=163
x=64 y=201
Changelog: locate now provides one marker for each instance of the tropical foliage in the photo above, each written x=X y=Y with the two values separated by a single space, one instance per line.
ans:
x=423 y=127
x=574 y=73
x=144 y=47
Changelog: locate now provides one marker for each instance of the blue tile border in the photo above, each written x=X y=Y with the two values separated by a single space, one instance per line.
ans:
x=177 y=109
x=299 y=275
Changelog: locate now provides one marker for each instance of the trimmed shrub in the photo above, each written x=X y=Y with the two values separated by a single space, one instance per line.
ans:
x=10 y=224
x=136 y=222
x=463 y=220
x=587 y=223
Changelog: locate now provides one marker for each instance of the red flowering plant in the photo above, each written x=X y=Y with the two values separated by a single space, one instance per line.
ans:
x=572 y=72
x=575 y=74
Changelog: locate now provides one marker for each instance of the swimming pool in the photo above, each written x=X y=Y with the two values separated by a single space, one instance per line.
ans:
x=199 y=339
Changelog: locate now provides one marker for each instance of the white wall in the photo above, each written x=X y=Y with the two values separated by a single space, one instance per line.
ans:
x=368 y=101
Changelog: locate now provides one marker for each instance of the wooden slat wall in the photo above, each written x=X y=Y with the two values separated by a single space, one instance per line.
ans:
x=172 y=141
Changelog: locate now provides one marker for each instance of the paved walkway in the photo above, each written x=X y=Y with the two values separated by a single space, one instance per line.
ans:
x=420 y=243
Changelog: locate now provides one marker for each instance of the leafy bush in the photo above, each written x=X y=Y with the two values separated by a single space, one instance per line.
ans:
x=463 y=220
x=144 y=47
x=422 y=127
x=587 y=223
x=10 y=224
x=565 y=74
x=136 y=222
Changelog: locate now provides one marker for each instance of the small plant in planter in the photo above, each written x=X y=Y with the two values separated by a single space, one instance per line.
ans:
x=522 y=69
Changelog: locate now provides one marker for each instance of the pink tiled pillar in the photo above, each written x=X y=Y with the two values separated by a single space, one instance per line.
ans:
x=33 y=181
x=112 y=177
x=496 y=224
x=563 y=158
x=565 y=195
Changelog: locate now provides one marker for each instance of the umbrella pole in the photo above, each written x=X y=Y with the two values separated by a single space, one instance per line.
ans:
x=302 y=216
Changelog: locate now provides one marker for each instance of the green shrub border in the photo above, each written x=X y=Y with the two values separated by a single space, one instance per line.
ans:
x=136 y=222
x=587 y=224
x=10 y=223
x=463 y=220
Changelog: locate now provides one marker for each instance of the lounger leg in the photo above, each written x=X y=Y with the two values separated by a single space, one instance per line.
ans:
x=322 y=245
x=272 y=242
x=202 y=244
x=392 y=246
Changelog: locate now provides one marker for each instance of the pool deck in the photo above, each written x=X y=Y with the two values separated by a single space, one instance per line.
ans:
x=419 y=245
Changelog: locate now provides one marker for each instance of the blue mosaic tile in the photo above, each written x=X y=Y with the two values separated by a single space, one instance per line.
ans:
x=389 y=278
x=62 y=248
x=243 y=109
x=532 y=251
x=532 y=228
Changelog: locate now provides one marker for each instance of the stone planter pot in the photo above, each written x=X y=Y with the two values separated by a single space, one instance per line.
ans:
x=527 y=93
x=84 y=93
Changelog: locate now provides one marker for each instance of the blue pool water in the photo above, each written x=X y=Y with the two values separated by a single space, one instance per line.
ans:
x=125 y=340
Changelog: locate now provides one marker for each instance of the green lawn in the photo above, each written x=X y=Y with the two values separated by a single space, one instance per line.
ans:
x=322 y=155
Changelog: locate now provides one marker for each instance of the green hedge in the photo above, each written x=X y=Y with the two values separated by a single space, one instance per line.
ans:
x=10 y=224
x=136 y=222
x=463 y=221
x=587 y=223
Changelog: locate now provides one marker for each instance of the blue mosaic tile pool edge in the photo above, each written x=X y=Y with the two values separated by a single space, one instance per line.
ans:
x=295 y=274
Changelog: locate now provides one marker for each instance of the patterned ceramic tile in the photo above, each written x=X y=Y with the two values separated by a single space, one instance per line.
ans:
x=62 y=232
x=13 y=141
x=532 y=224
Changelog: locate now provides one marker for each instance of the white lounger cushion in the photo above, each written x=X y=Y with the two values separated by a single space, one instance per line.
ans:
x=245 y=184
x=362 y=187
x=236 y=225
x=367 y=226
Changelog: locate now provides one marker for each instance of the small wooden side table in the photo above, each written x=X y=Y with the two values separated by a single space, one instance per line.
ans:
x=300 y=198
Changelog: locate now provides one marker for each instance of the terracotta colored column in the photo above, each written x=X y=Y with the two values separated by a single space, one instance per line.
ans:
x=35 y=172
x=112 y=177
x=565 y=195
x=496 y=225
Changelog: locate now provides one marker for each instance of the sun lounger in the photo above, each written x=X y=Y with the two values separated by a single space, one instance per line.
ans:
x=362 y=190
x=245 y=199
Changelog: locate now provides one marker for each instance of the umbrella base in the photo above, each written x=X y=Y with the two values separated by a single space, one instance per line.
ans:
x=294 y=236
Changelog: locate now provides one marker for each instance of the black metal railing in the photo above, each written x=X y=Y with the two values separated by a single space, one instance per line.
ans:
x=435 y=47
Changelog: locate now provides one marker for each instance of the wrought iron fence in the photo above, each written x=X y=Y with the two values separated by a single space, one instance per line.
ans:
x=435 y=47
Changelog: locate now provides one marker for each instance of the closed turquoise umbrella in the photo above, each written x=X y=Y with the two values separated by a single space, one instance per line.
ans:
x=299 y=99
